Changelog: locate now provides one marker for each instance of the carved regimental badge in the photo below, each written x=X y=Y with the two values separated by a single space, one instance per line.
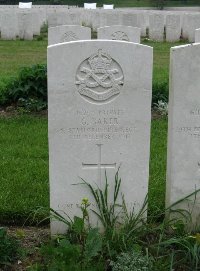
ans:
x=99 y=78
x=69 y=36
x=119 y=35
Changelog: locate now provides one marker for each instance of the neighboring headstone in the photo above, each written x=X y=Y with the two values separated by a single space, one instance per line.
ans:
x=108 y=6
x=173 y=28
x=36 y=20
x=197 y=35
x=25 y=5
x=68 y=17
x=66 y=33
x=90 y=5
x=193 y=23
x=183 y=169
x=142 y=24
x=156 y=27
x=185 y=26
x=119 y=32
x=99 y=106
x=25 y=25
x=112 y=18
x=130 y=19
x=8 y=25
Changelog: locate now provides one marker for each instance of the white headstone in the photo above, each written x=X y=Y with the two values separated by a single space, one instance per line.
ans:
x=66 y=33
x=25 y=25
x=173 y=27
x=193 y=23
x=25 y=5
x=8 y=25
x=36 y=20
x=197 y=35
x=156 y=27
x=90 y=5
x=99 y=119
x=183 y=170
x=119 y=32
x=108 y=6
x=130 y=19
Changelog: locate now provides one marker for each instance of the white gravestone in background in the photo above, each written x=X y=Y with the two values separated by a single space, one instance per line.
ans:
x=173 y=27
x=90 y=5
x=25 y=5
x=183 y=170
x=8 y=25
x=99 y=106
x=108 y=6
x=119 y=32
x=193 y=24
x=130 y=19
x=66 y=33
x=197 y=35
x=25 y=25
x=156 y=27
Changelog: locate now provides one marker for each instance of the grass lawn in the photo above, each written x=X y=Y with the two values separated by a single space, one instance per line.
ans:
x=23 y=141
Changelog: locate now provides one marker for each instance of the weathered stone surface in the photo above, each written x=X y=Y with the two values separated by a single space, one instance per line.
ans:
x=66 y=33
x=99 y=119
x=183 y=170
x=173 y=27
x=119 y=32
x=156 y=27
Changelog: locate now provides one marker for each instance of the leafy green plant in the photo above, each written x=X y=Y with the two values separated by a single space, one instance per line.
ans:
x=29 y=90
x=9 y=248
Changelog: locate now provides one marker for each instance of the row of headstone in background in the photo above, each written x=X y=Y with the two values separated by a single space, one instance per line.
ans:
x=66 y=33
x=104 y=120
x=20 y=24
x=172 y=24
x=157 y=25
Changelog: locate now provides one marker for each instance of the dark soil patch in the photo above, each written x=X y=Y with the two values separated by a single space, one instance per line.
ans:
x=31 y=238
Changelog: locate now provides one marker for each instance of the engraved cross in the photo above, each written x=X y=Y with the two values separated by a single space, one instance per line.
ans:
x=99 y=166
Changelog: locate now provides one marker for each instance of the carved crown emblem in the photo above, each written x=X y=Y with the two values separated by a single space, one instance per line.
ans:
x=100 y=62
x=99 y=78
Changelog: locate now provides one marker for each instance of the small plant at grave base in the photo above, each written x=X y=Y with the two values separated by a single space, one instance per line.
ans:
x=161 y=107
x=9 y=249
x=131 y=261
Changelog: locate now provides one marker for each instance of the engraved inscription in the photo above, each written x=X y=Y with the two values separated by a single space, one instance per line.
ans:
x=69 y=36
x=190 y=129
x=99 y=78
x=119 y=35
x=100 y=125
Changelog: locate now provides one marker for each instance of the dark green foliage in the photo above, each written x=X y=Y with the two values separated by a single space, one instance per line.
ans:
x=29 y=89
x=9 y=248
x=160 y=92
